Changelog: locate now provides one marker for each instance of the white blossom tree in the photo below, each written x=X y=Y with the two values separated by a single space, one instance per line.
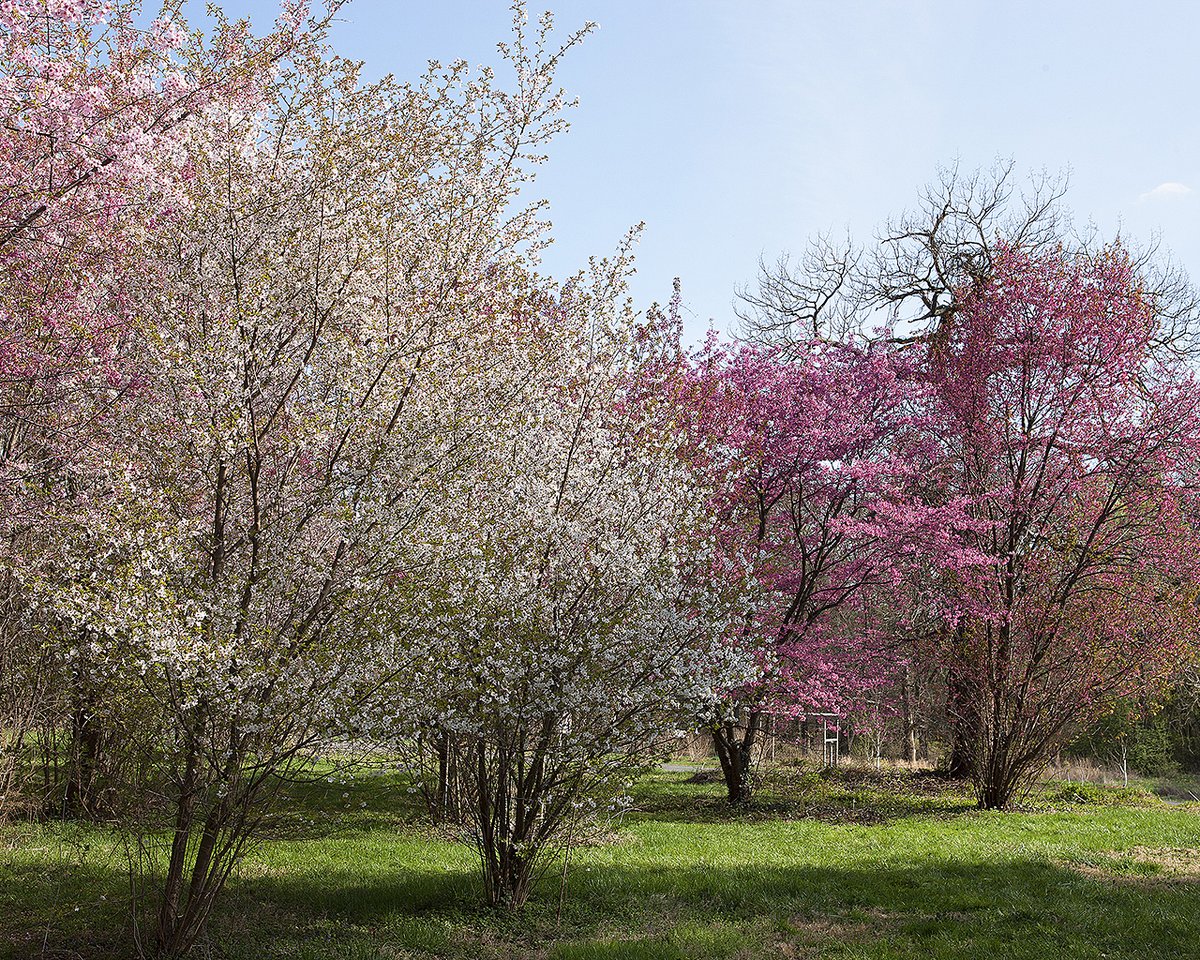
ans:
x=317 y=311
x=573 y=621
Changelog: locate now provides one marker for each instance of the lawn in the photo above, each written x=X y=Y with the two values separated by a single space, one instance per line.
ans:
x=852 y=865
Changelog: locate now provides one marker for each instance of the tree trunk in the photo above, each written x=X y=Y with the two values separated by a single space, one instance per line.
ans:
x=79 y=798
x=961 y=765
x=85 y=746
x=735 y=750
x=993 y=797
x=997 y=778
x=169 y=909
x=963 y=716
x=506 y=820
x=445 y=800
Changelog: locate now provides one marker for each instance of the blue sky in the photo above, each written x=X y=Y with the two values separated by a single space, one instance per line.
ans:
x=735 y=129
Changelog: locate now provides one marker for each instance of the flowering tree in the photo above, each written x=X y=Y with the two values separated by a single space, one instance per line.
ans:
x=97 y=114
x=573 y=616
x=923 y=263
x=1072 y=434
x=318 y=302
x=816 y=462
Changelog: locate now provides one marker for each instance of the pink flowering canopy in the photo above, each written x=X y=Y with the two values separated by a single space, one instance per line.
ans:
x=99 y=113
x=1072 y=436
x=816 y=458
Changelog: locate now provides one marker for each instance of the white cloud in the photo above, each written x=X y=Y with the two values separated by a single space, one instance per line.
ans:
x=1166 y=191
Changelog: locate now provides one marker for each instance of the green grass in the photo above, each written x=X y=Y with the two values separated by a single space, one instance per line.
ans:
x=851 y=866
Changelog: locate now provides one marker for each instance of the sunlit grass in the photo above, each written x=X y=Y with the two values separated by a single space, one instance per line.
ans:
x=853 y=866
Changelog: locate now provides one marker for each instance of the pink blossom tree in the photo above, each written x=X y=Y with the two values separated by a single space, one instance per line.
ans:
x=923 y=263
x=817 y=464
x=97 y=114
x=1071 y=436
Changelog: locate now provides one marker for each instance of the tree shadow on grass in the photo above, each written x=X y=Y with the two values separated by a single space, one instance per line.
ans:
x=1024 y=908
x=1021 y=909
x=63 y=909
x=329 y=803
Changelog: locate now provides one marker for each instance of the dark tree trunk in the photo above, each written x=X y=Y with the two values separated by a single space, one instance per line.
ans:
x=79 y=798
x=443 y=784
x=735 y=749
x=80 y=794
x=445 y=805
x=962 y=713
x=205 y=845
x=996 y=783
x=172 y=895
x=961 y=765
x=508 y=811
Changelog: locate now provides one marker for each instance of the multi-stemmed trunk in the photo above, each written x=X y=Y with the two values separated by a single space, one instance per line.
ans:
x=520 y=800
x=1010 y=720
x=735 y=745
x=993 y=770
x=214 y=816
